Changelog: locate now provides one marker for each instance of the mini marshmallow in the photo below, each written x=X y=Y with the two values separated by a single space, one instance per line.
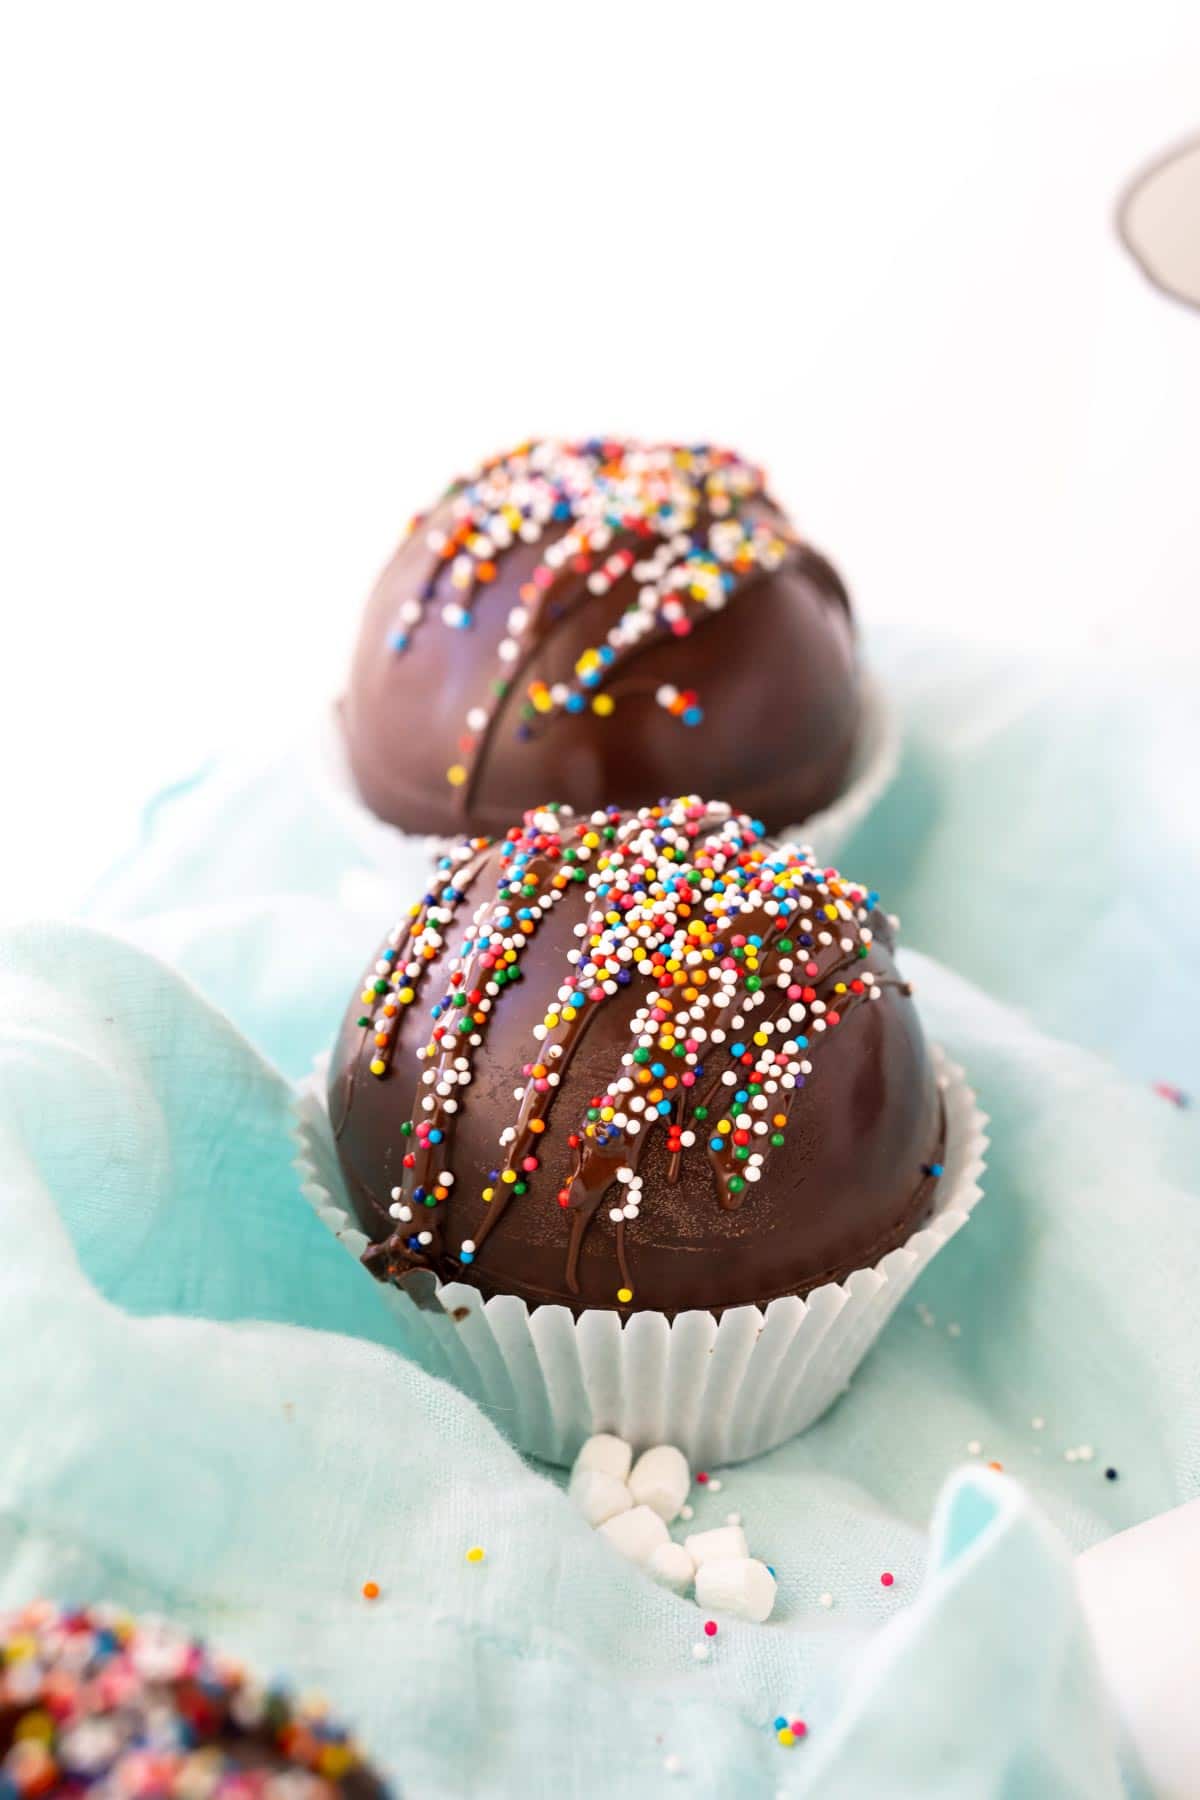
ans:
x=672 y=1565
x=661 y=1479
x=607 y=1454
x=736 y=1584
x=637 y=1534
x=598 y=1496
x=726 y=1541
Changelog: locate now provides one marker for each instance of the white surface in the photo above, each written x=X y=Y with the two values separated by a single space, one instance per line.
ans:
x=274 y=272
x=1141 y=1594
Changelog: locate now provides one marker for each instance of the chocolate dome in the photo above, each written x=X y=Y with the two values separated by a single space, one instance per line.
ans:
x=647 y=1061
x=94 y=1701
x=601 y=622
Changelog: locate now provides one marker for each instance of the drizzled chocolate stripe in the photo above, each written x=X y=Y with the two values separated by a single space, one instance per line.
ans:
x=551 y=612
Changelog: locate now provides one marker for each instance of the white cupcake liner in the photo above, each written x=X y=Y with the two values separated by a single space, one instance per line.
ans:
x=721 y=1390
x=391 y=852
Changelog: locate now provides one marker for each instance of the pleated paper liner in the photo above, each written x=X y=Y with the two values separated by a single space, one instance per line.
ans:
x=721 y=1390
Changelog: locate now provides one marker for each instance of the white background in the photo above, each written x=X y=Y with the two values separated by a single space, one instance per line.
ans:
x=273 y=273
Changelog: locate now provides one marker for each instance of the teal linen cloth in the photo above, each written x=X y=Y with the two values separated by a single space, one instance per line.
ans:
x=206 y=1410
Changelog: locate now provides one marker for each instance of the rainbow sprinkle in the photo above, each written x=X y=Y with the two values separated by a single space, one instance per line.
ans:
x=1166 y=1090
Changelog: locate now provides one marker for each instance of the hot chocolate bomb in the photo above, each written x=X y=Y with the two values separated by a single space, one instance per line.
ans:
x=636 y=1061
x=602 y=623
x=96 y=1703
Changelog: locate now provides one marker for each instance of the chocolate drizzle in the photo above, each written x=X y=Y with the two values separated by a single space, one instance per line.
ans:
x=731 y=959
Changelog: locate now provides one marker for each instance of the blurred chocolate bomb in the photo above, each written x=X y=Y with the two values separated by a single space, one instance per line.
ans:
x=602 y=623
